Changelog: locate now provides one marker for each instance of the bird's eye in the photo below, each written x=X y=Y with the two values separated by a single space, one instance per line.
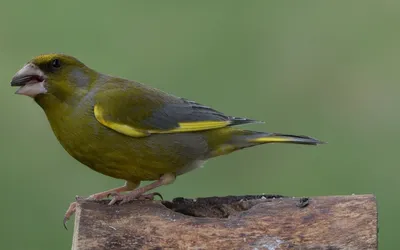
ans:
x=56 y=63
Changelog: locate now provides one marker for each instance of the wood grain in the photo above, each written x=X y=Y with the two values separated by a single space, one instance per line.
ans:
x=232 y=222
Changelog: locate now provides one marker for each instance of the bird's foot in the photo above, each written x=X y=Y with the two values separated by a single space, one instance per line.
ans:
x=97 y=197
x=133 y=195
x=70 y=211
x=72 y=207
x=94 y=197
x=103 y=195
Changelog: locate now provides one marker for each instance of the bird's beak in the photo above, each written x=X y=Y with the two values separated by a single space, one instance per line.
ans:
x=31 y=81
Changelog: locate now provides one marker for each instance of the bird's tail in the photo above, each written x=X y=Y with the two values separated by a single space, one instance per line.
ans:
x=254 y=138
x=229 y=140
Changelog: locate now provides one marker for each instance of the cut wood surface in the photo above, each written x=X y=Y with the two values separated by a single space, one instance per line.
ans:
x=232 y=222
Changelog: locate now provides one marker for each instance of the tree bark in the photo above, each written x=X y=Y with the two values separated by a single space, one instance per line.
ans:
x=232 y=222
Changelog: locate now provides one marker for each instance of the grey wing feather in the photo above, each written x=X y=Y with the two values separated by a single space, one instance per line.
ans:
x=189 y=111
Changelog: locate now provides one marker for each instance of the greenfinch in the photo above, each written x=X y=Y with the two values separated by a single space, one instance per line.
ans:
x=128 y=130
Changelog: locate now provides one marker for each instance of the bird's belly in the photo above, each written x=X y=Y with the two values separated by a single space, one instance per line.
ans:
x=136 y=159
x=191 y=166
x=127 y=164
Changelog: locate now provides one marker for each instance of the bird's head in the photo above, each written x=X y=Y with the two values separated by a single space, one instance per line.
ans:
x=58 y=75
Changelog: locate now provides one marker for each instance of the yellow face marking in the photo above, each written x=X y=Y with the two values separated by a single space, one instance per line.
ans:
x=134 y=132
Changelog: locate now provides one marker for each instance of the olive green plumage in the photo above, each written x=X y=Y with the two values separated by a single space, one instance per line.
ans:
x=128 y=130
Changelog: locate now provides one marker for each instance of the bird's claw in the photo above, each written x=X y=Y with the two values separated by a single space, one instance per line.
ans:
x=72 y=207
x=149 y=196
x=116 y=197
x=71 y=210
x=152 y=195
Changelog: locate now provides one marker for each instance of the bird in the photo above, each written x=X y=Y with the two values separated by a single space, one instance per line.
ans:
x=129 y=130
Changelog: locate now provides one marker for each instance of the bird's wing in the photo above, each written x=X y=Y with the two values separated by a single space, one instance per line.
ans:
x=142 y=112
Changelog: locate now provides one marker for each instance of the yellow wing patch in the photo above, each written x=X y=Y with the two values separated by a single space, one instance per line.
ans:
x=197 y=126
x=122 y=128
x=135 y=132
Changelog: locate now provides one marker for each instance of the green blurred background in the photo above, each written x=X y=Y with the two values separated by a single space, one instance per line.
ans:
x=328 y=69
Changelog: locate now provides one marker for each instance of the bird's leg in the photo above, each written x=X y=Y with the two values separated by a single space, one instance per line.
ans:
x=138 y=193
x=99 y=196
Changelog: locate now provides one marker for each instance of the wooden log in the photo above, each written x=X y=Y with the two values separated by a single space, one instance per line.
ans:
x=233 y=222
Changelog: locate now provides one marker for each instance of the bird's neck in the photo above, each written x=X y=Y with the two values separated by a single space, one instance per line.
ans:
x=58 y=114
x=50 y=103
x=57 y=109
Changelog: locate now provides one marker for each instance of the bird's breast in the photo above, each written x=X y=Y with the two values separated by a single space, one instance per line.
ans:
x=120 y=156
